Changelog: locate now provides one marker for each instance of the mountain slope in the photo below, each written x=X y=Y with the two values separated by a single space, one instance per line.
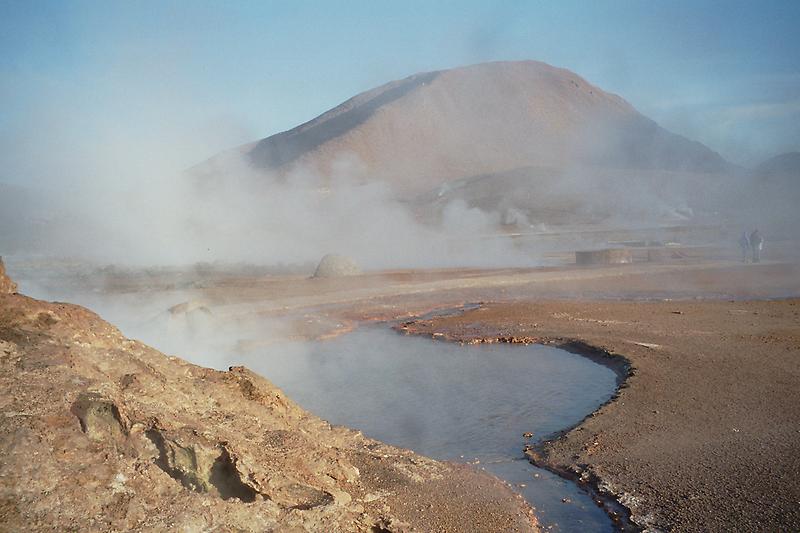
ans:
x=784 y=165
x=430 y=128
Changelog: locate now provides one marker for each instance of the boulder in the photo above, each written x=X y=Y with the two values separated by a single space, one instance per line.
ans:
x=335 y=266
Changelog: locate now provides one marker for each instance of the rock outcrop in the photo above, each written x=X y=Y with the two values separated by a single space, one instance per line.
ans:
x=102 y=433
x=6 y=285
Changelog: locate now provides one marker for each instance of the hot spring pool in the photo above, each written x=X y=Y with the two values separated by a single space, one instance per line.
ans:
x=452 y=402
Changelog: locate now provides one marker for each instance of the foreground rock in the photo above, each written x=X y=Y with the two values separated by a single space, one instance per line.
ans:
x=704 y=434
x=6 y=285
x=100 y=433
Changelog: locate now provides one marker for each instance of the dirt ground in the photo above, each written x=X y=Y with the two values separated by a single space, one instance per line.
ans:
x=705 y=432
x=703 y=435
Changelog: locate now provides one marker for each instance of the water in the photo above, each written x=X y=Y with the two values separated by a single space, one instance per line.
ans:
x=452 y=402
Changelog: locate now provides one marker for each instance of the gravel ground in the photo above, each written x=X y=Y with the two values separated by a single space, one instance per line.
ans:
x=704 y=435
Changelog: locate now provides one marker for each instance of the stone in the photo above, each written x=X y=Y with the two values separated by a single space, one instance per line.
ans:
x=335 y=266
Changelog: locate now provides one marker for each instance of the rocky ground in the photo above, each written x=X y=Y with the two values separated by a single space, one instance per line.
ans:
x=702 y=437
x=705 y=433
x=102 y=433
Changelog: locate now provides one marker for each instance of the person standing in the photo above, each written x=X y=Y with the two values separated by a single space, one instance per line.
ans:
x=744 y=244
x=756 y=243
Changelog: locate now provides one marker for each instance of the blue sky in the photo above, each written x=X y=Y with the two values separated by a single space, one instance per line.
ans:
x=179 y=80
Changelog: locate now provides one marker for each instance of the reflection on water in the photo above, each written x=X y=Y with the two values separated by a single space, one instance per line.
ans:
x=451 y=402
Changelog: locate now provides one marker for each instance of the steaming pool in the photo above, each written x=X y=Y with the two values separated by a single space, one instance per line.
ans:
x=452 y=402
x=457 y=403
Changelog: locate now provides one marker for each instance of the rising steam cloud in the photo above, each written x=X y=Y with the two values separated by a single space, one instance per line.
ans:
x=176 y=218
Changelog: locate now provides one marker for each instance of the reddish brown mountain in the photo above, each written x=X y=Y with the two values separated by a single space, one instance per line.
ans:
x=430 y=128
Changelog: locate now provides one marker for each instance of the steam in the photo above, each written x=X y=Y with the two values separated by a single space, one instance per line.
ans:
x=162 y=218
x=127 y=199
x=302 y=216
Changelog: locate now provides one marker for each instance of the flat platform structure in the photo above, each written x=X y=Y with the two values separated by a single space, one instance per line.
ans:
x=451 y=402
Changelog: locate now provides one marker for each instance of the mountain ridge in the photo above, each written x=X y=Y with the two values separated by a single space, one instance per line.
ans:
x=429 y=128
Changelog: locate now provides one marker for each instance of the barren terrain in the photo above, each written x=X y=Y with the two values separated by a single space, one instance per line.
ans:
x=702 y=436
x=102 y=433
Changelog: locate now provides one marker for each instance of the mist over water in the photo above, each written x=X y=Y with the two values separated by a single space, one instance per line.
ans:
x=451 y=402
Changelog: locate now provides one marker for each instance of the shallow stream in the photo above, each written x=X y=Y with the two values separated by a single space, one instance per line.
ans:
x=452 y=402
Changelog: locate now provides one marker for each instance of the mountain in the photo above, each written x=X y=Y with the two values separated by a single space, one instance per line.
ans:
x=529 y=142
x=778 y=178
x=434 y=127
x=784 y=165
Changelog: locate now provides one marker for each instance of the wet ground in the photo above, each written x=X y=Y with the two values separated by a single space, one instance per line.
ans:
x=461 y=403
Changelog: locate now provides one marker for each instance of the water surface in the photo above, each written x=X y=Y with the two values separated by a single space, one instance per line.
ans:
x=449 y=402
x=452 y=402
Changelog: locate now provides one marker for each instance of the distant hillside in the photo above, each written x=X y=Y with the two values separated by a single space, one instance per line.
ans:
x=434 y=127
x=787 y=165
x=522 y=141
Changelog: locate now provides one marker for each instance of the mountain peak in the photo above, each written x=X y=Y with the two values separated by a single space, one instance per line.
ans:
x=430 y=128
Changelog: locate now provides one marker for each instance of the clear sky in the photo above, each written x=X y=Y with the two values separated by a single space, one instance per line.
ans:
x=137 y=77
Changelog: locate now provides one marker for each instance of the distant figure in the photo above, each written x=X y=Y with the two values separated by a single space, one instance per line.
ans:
x=744 y=244
x=756 y=243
